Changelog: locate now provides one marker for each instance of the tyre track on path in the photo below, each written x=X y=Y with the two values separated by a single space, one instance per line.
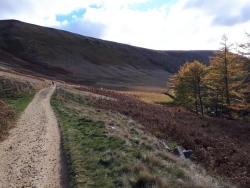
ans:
x=31 y=156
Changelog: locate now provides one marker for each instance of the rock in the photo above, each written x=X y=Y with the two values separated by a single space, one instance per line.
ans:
x=111 y=127
x=182 y=153
x=178 y=151
x=136 y=140
x=187 y=153
x=164 y=145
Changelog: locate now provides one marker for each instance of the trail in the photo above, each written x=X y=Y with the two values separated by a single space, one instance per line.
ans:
x=30 y=156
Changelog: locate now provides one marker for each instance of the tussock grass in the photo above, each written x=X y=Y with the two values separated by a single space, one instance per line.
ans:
x=107 y=149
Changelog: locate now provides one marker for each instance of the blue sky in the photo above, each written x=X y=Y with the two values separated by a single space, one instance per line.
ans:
x=154 y=24
x=144 y=6
x=71 y=16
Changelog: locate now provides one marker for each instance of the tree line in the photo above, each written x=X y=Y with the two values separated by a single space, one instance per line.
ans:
x=221 y=89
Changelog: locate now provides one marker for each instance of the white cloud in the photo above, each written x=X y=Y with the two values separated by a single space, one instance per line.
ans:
x=65 y=22
x=186 y=25
x=39 y=12
x=125 y=25
x=154 y=28
x=84 y=27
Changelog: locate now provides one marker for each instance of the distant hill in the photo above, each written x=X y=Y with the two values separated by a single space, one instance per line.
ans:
x=80 y=59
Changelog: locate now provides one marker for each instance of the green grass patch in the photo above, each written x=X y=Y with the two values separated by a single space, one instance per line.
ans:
x=87 y=148
x=19 y=103
x=18 y=94
x=10 y=111
x=14 y=98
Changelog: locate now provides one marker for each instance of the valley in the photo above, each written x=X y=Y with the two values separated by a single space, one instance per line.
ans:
x=83 y=112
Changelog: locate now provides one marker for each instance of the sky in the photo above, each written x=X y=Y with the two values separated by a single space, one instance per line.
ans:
x=153 y=24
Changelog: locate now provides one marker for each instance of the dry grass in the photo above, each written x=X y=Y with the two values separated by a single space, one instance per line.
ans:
x=148 y=96
x=148 y=88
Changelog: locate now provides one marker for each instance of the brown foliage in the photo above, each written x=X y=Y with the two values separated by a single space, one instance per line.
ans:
x=6 y=114
x=221 y=146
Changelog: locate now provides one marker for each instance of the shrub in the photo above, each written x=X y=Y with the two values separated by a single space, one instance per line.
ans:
x=6 y=115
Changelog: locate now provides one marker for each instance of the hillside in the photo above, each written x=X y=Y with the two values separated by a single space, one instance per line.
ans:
x=98 y=148
x=219 y=145
x=79 y=59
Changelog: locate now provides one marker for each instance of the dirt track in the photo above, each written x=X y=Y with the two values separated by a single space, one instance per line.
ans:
x=30 y=156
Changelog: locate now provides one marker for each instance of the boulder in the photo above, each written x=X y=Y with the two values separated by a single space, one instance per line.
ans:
x=178 y=151
x=187 y=153
x=182 y=153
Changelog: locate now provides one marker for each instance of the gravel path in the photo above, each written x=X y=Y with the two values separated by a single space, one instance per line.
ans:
x=30 y=156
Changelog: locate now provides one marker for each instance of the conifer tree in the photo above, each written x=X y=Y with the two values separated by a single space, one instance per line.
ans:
x=244 y=48
x=244 y=51
x=224 y=78
x=187 y=86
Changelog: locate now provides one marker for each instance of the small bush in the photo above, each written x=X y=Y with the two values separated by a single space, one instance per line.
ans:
x=145 y=179
x=153 y=161
x=7 y=114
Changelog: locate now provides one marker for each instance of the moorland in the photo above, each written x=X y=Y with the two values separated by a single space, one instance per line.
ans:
x=112 y=112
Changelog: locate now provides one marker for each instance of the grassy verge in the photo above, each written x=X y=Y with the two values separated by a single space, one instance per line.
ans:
x=14 y=98
x=19 y=103
x=107 y=149
x=11 y=108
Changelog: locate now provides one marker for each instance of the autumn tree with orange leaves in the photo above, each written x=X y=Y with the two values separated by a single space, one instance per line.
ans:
x=188 y=86
x=221 y=86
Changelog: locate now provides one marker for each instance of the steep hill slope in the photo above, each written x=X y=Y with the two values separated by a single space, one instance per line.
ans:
x=72 y=57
